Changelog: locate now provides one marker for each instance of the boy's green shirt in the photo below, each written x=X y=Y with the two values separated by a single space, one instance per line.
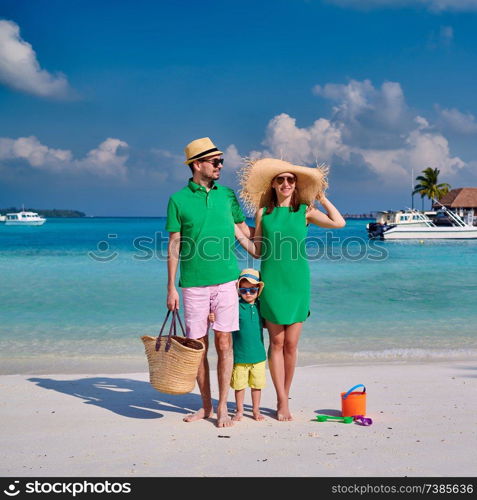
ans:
x=248 y=340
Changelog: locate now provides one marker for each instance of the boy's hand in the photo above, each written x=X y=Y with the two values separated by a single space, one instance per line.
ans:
x=211 y=317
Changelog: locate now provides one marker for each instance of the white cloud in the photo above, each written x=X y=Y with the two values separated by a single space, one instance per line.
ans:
x=422 y=123
x=427 y=149
x=317 y=143
x=232 y=158
x=420 y=150
x=353 y=98
x=455 y=120
x=370 y=128
x=371 y=132
x=432 y=5
x=164 y=153
x=359 y=99
x=34 y=153
x=104 y=161
x=388 y=164
x=162 y=166
x=19 y=67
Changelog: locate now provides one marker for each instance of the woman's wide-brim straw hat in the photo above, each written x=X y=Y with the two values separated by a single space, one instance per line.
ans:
x=257 y=175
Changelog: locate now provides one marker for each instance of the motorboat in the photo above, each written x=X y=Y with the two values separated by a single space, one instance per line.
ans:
x=408 y=217
x=24 y=218
x=386 y=219
x=411 y=224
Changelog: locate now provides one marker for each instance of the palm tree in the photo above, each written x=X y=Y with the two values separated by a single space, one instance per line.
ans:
x=429 y=187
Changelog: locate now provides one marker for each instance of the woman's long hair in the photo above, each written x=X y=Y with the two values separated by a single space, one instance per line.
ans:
x=294 y=203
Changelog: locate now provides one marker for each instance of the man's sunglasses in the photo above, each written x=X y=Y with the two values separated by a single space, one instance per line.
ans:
x=215 y=162
x=280 y=179
x=252 y=291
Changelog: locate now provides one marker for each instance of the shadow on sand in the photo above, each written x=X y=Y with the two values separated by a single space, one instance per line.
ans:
x=329 y=412
x=126 y=397
x=130 y=398
x=470 y=370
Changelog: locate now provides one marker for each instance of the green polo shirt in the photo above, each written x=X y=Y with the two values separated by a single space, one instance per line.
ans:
x=248 y=340
x=206 y=221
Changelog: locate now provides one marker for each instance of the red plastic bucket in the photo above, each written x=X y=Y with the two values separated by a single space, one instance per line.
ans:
x=353 y=403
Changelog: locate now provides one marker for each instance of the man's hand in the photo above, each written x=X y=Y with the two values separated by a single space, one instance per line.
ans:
x=211 y=317
x=173 y=299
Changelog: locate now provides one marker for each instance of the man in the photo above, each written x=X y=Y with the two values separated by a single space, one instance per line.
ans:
x=201 y=219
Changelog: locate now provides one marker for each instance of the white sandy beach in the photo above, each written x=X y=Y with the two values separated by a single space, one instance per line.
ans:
x=425 y=424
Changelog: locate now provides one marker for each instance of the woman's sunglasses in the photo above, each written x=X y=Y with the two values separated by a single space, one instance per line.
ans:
x=280 y=179
x=252 y=291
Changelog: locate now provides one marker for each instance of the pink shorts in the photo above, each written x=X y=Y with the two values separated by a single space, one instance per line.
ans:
x=200 y=301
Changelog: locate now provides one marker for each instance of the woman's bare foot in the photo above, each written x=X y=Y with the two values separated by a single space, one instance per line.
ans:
x=198 y=415
x=283 y=413
x=258 y=416
x=238 y=416
x=223 y=419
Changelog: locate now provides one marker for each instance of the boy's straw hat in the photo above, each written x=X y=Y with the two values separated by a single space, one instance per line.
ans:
x=253 y=276
x=200 y=148
x=257 y=176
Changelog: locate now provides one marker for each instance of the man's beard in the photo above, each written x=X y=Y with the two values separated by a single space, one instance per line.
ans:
x=212 y=177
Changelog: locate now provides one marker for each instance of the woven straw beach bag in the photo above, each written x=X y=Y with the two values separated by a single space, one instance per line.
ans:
x=173 y=360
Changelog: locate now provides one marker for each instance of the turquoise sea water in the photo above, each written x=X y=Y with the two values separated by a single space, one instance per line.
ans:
x=76 y=294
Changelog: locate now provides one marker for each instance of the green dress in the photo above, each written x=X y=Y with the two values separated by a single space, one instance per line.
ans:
x=284 y=266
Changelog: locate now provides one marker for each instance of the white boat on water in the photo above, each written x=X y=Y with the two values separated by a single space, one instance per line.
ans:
x=411 y=224
x=408 y=217
x=24 y=218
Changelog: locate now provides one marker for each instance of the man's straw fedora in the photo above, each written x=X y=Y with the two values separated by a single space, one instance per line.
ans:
x=257 y=176
x=200 y=148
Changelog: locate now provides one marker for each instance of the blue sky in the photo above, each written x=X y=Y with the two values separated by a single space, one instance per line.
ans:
x=99 y=98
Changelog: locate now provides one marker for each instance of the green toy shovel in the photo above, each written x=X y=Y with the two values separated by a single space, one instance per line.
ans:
x=325 y=418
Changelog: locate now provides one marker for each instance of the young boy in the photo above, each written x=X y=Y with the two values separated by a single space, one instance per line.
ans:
x=249 y=350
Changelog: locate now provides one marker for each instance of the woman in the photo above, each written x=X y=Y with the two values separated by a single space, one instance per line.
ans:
x=283 y=196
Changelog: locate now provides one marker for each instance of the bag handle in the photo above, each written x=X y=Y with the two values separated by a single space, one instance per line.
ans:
x=158 y=340
x=180 y=323
x=172 y=328
x=353 y=388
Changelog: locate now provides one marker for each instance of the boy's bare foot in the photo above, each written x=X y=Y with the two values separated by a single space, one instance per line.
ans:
x=258 y=416
x=223 y=419
x=198 y=415
x=238 y=416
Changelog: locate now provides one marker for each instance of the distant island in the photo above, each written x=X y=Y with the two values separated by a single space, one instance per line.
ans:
x=371 y=215
x=51 y=213
x=58 y=213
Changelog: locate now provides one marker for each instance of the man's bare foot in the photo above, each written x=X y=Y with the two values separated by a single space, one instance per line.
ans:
x=258 y=416
x=198 y=415
x=283 y=413
x=223 y=419
x=238 y=416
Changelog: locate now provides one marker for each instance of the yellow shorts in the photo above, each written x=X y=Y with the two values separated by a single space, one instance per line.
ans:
x=248 y=375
